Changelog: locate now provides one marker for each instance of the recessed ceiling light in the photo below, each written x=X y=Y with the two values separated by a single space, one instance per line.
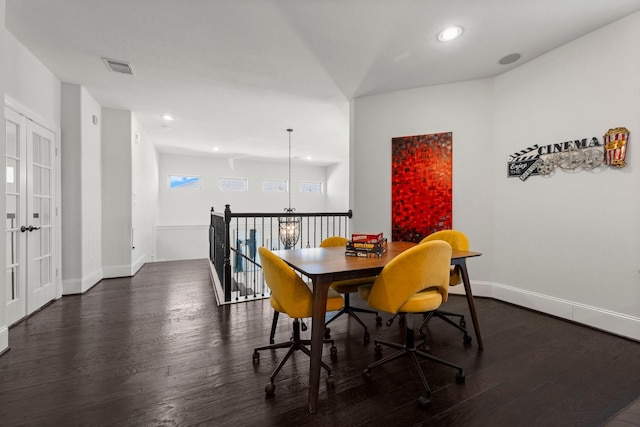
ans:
x=450 y=34
x=167 y=117
x=509 y=59
x=216 y=149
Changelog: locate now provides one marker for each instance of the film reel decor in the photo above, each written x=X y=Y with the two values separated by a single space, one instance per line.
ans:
x=570 y=156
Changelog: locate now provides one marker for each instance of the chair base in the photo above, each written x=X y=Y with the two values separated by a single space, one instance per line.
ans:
x=351 y=311
x=444 y=315
x=294 y=344
x=274 y=323
x=409 y=350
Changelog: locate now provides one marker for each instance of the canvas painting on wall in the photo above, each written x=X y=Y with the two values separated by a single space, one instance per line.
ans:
x=421 y=185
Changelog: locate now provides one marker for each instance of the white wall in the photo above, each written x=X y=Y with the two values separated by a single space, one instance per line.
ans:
x=144 y=204
x=82 y=194
x=466 y=110
x=568 y=245
x=184 y=215
x=336 y=188
x=30 y=83
x=573 y=237
x=91 y=190
x=116 y=192
x=72 y=185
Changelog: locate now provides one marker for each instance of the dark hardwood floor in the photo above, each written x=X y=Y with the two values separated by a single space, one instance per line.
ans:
x=155 y=349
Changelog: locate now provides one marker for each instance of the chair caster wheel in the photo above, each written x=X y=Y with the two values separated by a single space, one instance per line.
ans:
x=366 y=337
x=424 y=402
x=378 y=349
x=460 y=377
x=331 y=383
x=327 y=333
x=378 y=321
x=367 y=374
x=270 y=389
x=467 y=339
x=256 y=357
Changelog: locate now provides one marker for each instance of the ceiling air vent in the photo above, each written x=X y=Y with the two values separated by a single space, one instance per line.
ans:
x=118 y=66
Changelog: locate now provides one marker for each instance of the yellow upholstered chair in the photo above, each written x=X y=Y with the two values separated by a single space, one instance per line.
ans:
x=347 y=287
x=459 y=241
x=416 y=281
x=294 y=297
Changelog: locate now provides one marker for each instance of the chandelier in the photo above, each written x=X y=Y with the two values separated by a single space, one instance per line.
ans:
x=289 y=225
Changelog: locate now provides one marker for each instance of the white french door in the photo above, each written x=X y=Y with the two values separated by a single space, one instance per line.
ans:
x=29 y=225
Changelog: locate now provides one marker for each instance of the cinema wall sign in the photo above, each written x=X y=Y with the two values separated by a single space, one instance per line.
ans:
x=586 y=154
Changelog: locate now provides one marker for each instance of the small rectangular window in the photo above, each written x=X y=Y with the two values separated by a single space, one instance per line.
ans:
x=311 y=187
x=233 y=184
x=274 y=186
x=184 y=182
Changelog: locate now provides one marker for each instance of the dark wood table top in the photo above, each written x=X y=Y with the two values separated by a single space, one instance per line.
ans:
x=315 y=262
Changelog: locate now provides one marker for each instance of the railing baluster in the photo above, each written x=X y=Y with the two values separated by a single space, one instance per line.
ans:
x=242 y=274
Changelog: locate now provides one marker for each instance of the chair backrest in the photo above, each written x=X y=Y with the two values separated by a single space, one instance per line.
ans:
x=333 y=241
x=287 y=288
x=458 y=241
x=424 y=266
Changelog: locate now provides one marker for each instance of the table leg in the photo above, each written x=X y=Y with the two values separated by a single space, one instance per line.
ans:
x=320 y=288
x=472 y=308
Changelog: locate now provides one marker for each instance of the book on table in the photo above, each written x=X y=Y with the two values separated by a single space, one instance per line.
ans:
x=351 y=245
x=366 y=245
x=365 y=253
x=366 y=237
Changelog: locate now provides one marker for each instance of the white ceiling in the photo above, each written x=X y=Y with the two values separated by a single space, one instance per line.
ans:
x=236 y=74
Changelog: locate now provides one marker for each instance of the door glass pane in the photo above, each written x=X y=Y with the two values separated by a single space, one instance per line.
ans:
x=12 y=139
x=13 y=175
x=33 y=273
x=46 y=181
x=45 y=271
x=45 y=214
x=37 y=144
x=35 y=221
x=45 y=241
x=36 y=180
x=35 y=238
x=46 y=152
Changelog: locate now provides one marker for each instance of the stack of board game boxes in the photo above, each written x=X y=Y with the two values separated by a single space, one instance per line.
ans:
x=366 y=245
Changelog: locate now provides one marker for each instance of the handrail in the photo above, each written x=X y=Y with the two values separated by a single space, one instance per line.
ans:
x=241 y=233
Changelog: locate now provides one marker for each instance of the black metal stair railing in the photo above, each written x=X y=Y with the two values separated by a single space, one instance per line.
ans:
x=235 y=237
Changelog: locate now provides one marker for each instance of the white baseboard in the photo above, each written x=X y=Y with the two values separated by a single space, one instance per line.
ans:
x=4 y=339
x=137 y=265
x=606 y=320
x=217 y=286
x=81 y=285
x=114 y=271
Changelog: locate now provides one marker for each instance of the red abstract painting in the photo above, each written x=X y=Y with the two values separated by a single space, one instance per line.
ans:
x=421 y=185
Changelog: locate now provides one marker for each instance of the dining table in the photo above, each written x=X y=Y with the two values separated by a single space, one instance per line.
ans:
x=324 y=266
